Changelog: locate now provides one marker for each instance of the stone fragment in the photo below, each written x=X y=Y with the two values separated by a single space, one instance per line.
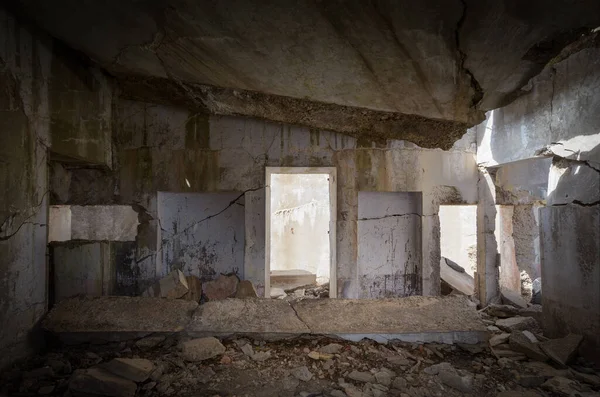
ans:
x=194 y=289
x=173 y=285
x=534 y=373
x=513 y=298
x=517 y=324
x=493 y=328
x=289 y=383
x=534 y=311
x=222 y=288
x=398 y=360
x=337 y=393
x=359 y=376
x=320 y=356
x=384 y=378
x=562 y=350
x=245 y=290
x=460 y=383
x=260 y=356
x=96 y=381
x=501 y=311
x=499 y=339
x=399 y=383
x=277 y=293
x=519 y=342
x=529 y=335
x=561 y=386
x=590 y=379
x=247 y=349
x=150 y=342
x=436 y=368
x=301 y=373
x=201 y=349
x=332 y=348
x=135 y=369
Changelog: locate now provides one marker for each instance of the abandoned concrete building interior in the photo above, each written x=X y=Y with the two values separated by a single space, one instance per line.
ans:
x=300 y=198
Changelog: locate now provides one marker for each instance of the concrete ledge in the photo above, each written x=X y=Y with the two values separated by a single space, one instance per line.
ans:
x=119 y=314
x=451 y=319
x=247 y=316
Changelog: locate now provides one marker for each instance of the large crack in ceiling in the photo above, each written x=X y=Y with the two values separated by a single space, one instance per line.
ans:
x=421 y=71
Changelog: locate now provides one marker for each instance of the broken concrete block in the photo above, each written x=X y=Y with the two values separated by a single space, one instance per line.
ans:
x=459 y=281
x=519 y=342
x=454 y=380
x=517 y=324
x=332 y=348
x=173 y=285
x=99 y=382
x=150 y=341
x=561 y=386
x=513 y=298
x=365 y=377
x=562 y=350
x=301 y=373
x=277 y=293
x=201 y=349
x=135 y=369
x=222 y=288
x=245 y=290
x=499 y=339
x=194 y=289
x=534 y=311
x=501 y=311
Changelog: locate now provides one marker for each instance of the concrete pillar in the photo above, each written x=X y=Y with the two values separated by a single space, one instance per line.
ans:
x=487 y=246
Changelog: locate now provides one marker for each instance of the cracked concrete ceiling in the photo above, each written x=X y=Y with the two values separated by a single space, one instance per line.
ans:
x=417 y=70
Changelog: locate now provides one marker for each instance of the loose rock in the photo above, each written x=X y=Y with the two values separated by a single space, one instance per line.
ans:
x=222 y=288
x=562 y=350
x=246 y=290
x=194 y=289
x=95 y=381
x=332 y=348
x=513 y=298
x=201 y=349
x=499 y=339
x=150 y=341
x=302 y=373
x=359 y=376
x=519 y=342
x=135 y=369
x=174 y=285
x=517 y=324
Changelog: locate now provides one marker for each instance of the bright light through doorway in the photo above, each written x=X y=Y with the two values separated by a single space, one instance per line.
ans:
x=299 y=229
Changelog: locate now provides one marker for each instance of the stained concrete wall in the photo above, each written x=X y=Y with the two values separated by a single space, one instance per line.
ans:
x=570 y=242
x=160 y=147
x=45 y=101
x=458 y=235
x=300 y=223
x=201 y=234
x=389 y=244
x=93 y=222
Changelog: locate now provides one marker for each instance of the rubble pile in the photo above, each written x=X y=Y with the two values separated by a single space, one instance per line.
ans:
x=518 y=362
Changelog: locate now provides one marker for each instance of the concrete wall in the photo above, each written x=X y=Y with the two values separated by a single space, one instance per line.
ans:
x=389 y=244
x=570 y=241
x=300 y=223
x=169 y=149
x=48 y=102
x=93 y=222
x=201 y=234
x=458 y=235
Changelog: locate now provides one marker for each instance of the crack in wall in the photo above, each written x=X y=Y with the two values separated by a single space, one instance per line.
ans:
x=300 y=318
x=478 y=91
x=390 y=216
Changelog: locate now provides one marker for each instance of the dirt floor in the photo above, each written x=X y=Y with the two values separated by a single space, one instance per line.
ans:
x=305 y=366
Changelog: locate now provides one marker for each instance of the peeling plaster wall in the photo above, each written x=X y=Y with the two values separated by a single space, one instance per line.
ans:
x=389 y=244
x=49 y=101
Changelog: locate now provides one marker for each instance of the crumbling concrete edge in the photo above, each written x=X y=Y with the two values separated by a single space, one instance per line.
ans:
x=449 y=337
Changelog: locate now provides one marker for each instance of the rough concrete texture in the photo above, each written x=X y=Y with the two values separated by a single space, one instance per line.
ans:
x=523 y=182
x=510 y=277
x=411 y=315
x=556 y=117
x=573 y=182
x=228 y=154
x=570 y=250
x=119 y=313
x=246 y=316
x=487 y=277
x=526 y=235
x=460 y=281
x=59 y=223
x=41 y=105
x=389 y=244
x=103 y=222
x=82 y=268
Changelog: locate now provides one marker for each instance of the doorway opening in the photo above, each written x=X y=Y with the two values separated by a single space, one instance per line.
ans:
x=300 y=233
x=458 y=248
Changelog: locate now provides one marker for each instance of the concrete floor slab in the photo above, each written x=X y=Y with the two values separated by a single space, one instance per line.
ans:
x=451 y=319
x=119 y=314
